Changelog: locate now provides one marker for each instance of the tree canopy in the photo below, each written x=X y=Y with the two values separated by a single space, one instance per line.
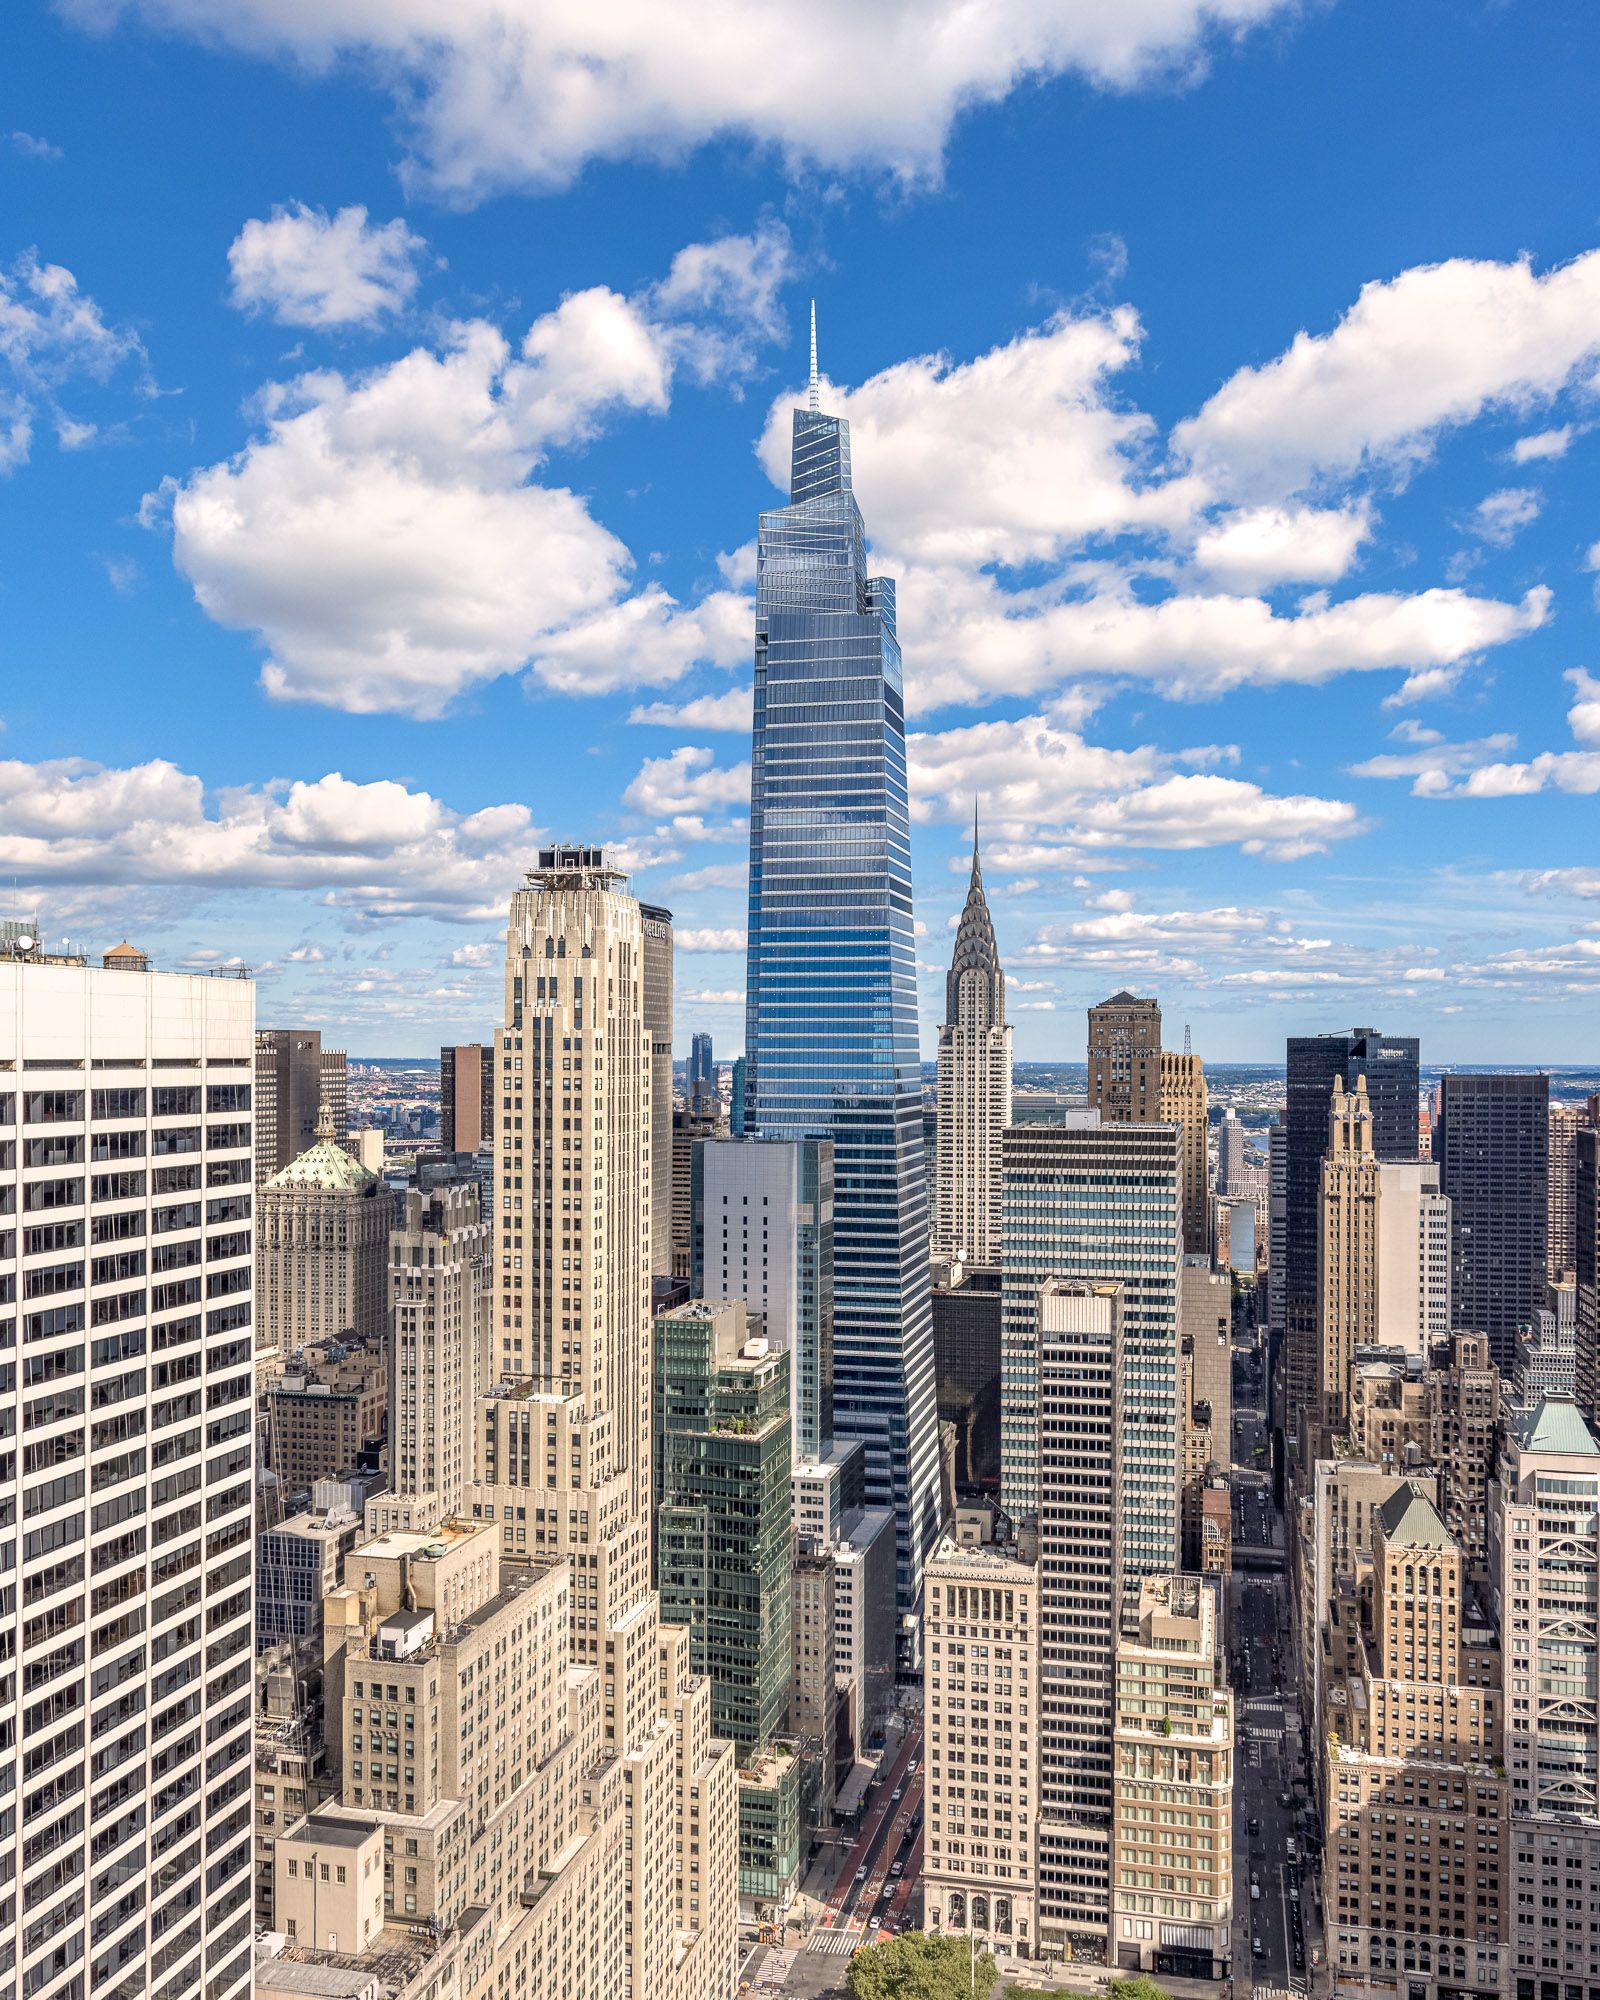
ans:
x=915 y=1966
x=1140 y=1987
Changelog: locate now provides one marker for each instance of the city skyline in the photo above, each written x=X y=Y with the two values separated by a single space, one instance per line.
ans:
x=1293 y=721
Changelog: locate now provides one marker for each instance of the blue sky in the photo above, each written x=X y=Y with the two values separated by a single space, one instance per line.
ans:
x=388 y=390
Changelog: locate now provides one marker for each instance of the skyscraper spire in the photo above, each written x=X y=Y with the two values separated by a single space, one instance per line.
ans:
x=812 y=399
x=974 y=1085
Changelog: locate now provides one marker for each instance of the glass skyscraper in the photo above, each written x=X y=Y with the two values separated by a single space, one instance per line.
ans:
x=831 y=1042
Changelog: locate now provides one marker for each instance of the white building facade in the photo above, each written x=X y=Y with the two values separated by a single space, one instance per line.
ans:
x=126 y=1294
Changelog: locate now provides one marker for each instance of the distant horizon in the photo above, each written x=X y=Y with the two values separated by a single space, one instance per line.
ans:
x=1078 y=1063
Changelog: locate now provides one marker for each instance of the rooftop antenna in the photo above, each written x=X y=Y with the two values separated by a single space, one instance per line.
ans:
x=812 y=399
x=1188 y=1040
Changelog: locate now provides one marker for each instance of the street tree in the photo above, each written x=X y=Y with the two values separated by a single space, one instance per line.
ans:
x=915 y=1966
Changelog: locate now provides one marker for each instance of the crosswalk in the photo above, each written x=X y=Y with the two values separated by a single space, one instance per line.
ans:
x=834 y=1943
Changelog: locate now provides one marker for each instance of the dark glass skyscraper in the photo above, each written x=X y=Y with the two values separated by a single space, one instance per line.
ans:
x=831 y=1045
x=1492 y=1143
x=702 y=1080
x=1316 y=1062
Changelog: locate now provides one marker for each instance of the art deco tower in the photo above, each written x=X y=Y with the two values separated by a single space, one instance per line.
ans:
x=564 y=1441
x=1347 y=1267
x=831 y=1009
x=974 y=1087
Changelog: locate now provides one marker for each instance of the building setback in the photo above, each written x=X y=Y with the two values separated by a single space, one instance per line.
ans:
x=1347 y=1259
x=126 y=1285
x=1133 y=1080
x=1492 y=1143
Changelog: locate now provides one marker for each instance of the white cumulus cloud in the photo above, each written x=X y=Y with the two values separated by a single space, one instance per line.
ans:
x=1542 y=445
x=1436 y=346
x=52 y=334
x=1030 y=775
x=1500 y=517
x=1015 y=456
x=730 y=711
x=510 y=93
x=687 y=781
x=708 y=940
x=387 y=538
x=304 y=267
x=1255 y=547
x=1481 y=770
x=378 y=850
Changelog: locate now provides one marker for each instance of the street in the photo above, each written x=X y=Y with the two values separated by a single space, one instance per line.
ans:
x=873 y=1893
x=1272 y=1889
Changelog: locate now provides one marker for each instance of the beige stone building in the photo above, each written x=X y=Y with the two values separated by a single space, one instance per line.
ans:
x=330 y=1400
x=815 y=1695
x=441 y=1303
x=981 y=1692
x=1414 y=1794
x=1181 y=1101
x=557 y=1820
x=322 y=1234
x=1216 y=1526
x=1133 y=1081
x=1205 y=1403
x=1172 y=1799
x=1347 y=1262
x=1125 y=1060
x=1561 y=1227
x=1393 y=1413
x=1333 y=1557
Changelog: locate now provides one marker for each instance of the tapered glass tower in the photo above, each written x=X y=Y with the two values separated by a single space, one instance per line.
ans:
x=831 y=1028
